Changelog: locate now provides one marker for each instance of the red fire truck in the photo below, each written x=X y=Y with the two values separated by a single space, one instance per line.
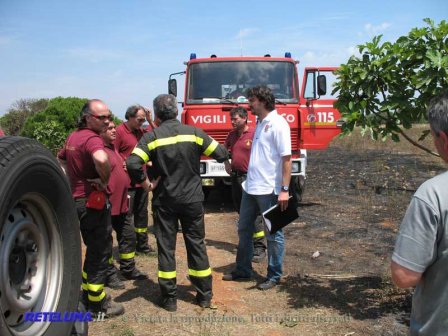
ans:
x=214 y=85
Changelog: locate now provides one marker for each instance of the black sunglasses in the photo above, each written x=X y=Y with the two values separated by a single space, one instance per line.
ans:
x=101 y=118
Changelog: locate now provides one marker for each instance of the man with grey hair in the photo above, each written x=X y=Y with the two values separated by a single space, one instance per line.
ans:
x=175 y=151
x=128 y=135
x=420 y=257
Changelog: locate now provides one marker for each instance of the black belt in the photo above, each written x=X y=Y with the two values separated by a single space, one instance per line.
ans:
x=238 y=173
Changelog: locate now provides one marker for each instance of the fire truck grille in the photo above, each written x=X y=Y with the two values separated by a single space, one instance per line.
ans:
x=218 y=135
x=221 y=136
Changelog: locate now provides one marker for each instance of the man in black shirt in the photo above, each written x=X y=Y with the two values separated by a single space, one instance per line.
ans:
x=175 y=151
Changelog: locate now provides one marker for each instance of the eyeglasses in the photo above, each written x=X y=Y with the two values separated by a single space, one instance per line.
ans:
x=141 y=120
x=102 y=117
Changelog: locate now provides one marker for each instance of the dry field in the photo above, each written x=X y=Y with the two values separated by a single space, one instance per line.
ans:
x=356 y=194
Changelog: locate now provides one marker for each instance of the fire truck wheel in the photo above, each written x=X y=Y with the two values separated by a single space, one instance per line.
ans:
x=297 y=188
x=206 y=192
x=300 y=188
x=40 y=249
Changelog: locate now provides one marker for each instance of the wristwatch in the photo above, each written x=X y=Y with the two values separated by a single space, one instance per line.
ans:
x=285 y=188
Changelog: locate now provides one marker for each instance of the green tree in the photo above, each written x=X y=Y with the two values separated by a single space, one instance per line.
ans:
x=388 y=87
x=52 y=125
x=14 y=119
x=51 y=133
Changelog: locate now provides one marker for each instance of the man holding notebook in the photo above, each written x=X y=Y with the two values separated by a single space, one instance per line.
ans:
x=267 y=182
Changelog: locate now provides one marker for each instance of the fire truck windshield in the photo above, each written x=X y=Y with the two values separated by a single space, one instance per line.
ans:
x=228 y=81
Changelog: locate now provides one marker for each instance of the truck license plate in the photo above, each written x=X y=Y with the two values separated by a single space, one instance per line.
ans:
x=217 y=168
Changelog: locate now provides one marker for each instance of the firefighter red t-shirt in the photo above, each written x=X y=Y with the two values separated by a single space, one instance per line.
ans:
x=240 y=147
x=78 y=153
x=118 y=183
x=126 y=140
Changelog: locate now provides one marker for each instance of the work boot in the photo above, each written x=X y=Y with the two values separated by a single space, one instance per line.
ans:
x=106 y=308
x=135 y=274
x=204 y=302
x=268 y=284
x=149 y=250
x=114 y=282
x=234 y=276
x=142 y=244
x=169 y=304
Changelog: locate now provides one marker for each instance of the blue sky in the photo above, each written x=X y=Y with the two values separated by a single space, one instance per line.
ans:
x=124 y=51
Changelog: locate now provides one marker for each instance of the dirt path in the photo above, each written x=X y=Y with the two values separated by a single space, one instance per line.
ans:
x=355 y=199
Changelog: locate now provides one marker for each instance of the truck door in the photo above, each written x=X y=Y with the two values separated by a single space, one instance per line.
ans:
x=320 y=122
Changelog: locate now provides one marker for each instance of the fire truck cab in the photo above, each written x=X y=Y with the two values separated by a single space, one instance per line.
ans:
x=215 y=85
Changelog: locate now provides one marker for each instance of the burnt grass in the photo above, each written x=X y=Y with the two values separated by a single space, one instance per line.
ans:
x=354 y=201
x=356 y=194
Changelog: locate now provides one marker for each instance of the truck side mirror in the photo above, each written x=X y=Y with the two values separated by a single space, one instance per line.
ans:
x=172 y=87
x=321 y=85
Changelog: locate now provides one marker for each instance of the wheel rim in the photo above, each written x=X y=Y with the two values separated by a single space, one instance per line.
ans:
x=31 y=264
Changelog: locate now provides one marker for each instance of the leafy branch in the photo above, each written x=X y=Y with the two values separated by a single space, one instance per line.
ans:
x=386 y=89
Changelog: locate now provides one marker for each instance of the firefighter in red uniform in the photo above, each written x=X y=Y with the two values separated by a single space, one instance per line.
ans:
x=128 y=135
x=87 y=165
x=239 y=143
x=175 y=151
x=118 y=189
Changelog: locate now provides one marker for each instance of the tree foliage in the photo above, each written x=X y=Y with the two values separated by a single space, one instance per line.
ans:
x=388 y=87
x=52 y=125
x=14 y=119
x=51 y=134
x=64 y=111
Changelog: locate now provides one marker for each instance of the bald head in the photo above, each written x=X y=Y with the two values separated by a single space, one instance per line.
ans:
x=95 y=114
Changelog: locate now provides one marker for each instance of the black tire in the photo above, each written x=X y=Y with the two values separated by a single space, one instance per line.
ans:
x=206 y=191
x=40 y=248
x=80 y=328
x=300 y=188
x=297 y=188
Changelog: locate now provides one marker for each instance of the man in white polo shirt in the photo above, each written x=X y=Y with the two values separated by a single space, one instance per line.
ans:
x=267 y=182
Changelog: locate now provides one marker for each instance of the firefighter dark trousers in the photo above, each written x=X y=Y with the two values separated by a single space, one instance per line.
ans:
x=258 y=236
x=96 y=232
x=138 y=217
x=191 y=217
x=126 y=241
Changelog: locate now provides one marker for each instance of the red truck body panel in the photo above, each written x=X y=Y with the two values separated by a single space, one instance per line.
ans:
x=312 y=121
x=318 y=117
x=211 y=83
